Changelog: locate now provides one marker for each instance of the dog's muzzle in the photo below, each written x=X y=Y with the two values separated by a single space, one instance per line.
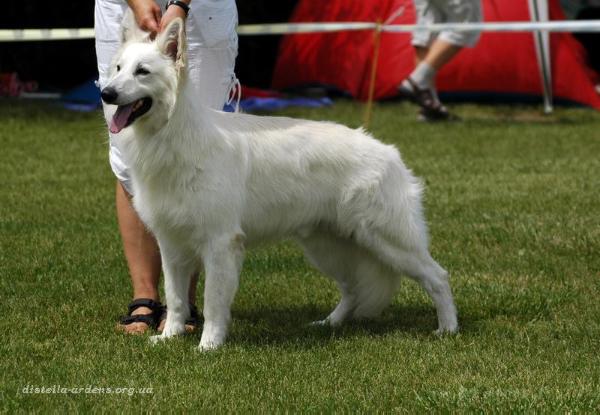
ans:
x=109 y=95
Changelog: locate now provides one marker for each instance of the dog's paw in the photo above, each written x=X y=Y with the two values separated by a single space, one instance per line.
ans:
x=207 y=346
x=446 y=331
x=320 y=323
x=173 y=329
x=213 y=336
x=159 y=338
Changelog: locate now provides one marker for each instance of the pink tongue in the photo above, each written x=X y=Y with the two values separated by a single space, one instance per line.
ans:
x=120 y=118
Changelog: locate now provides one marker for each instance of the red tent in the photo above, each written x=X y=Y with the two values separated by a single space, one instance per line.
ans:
x=500 y=63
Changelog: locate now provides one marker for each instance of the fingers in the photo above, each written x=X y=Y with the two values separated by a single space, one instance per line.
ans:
x=170 y=14
x=147 y=15
x=157 y=18
x=149 y=24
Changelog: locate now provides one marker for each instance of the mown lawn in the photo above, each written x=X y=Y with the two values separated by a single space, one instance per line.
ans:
x=514 y=211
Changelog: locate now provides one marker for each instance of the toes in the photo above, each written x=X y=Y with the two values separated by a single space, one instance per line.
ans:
x=133 y=328
x=446 y=331
x=157 y=339
x=208 y=346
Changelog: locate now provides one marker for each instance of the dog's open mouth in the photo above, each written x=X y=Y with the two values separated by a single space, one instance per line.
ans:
x=128 y=113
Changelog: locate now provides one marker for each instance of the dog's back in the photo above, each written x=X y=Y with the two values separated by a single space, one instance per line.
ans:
x=300 y=173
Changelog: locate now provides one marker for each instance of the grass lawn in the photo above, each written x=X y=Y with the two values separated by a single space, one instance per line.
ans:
x=514 y=212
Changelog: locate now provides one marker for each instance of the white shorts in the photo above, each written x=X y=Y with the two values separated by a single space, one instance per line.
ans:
x=212 y=48
x=446 y=11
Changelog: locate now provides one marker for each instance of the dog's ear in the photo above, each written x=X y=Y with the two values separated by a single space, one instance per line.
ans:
x=171 y=40
x=130 y=31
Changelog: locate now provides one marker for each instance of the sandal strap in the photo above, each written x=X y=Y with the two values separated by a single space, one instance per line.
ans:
x=144 y=302
x=423 y=95
x=152 y=319
x=139 y=318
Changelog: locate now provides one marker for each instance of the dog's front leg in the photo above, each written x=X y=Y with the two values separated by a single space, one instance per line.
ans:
x=223 y=258
x=177 y=273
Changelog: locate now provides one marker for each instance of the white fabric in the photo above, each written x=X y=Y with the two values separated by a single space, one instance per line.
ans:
x=212 y=49
x=446 y=11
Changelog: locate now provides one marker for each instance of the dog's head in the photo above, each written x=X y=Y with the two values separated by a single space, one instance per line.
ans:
x=145 y=77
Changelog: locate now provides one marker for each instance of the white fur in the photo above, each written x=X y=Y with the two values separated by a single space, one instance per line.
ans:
x=208 y=184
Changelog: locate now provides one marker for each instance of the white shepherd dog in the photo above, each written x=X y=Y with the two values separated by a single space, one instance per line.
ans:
x=209 y=183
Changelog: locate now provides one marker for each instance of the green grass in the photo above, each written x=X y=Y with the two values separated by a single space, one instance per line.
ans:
x=513 y=207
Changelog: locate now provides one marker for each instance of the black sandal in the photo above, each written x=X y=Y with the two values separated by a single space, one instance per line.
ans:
x=193 y=319
x=152 y=320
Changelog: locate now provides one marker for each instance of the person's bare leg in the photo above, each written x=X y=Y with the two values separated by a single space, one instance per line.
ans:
x=420 y=53
x=141 y=253
x=192 y=292
x=420 y=84
x=429 y=61
x=440 y=53
x=143 y=258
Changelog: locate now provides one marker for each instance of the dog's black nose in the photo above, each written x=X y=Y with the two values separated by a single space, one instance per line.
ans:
x=109 y=95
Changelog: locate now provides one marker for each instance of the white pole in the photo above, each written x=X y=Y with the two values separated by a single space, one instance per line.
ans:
x=538 y=10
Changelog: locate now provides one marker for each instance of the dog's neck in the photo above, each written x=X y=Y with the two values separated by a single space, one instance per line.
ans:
x=153 y=156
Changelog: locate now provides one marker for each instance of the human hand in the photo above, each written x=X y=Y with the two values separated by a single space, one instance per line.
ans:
x=147 y=14
x=171 y=13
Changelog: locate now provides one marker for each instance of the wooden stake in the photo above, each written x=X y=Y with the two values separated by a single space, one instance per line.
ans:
x=373 y=77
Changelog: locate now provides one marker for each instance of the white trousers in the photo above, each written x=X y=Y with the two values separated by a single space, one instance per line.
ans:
x=446 y=11
x=212 y=48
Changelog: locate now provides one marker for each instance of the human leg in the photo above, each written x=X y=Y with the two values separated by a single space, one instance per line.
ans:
x=144 y=263
x=434 y=52
x=419 y=86
x=137 y=242
x=140 y=248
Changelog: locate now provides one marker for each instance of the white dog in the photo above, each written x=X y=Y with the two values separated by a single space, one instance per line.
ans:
x=209 y=183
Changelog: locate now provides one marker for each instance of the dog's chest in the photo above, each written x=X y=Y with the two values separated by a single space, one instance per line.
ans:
x=169 y=213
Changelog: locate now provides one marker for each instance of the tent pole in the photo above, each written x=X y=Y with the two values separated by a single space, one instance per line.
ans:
x=538 y=10
x=373 y=77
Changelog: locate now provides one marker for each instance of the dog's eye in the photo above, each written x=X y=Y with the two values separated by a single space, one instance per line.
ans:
x=118 y=68
x=141 y=71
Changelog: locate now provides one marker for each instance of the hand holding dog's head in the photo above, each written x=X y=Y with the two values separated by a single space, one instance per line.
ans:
x=131 y=31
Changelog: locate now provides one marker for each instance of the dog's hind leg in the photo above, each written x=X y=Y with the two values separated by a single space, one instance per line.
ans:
x=435 y=280
x=416 y=263
x=223 y=259
x=387 y=220
x=365 y=284
x=377 y=284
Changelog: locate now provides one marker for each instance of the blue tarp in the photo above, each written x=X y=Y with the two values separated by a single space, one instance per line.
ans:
x=273 y=104
x=86 y=97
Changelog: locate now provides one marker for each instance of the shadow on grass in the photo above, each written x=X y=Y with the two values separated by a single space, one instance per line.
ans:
x=292 y=325
x=501 y=112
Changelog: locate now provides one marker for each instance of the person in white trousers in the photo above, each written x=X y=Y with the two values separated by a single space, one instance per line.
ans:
x=434 y=50
x=212 y=49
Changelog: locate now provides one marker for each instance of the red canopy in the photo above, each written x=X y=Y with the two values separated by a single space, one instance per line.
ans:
x=501 y=62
